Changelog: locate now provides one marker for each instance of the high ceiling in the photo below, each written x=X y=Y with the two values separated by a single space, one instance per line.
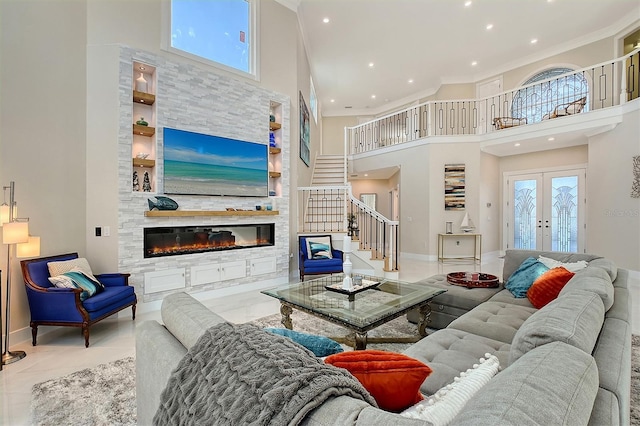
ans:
x=434 y=42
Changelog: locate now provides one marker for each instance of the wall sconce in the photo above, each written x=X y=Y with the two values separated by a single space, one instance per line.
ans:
x=15 y=231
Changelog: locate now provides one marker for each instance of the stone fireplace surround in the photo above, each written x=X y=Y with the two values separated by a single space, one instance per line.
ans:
x=197 y=98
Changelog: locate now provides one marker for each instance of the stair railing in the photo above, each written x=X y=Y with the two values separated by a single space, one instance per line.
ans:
x=325 y=209
x=376 y=233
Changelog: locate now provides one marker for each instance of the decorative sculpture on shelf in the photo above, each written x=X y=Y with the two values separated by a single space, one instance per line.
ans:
x=162 y=203
x=146 y=183
x=136 y=182
x=467 y=224
x=142 y=122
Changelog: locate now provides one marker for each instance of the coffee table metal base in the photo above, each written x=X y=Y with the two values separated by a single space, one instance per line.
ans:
x=358 y=339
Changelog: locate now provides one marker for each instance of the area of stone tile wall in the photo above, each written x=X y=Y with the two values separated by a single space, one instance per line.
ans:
x=198 y=99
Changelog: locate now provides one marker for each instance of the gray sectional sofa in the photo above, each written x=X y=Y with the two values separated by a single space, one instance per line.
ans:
x=567 y=363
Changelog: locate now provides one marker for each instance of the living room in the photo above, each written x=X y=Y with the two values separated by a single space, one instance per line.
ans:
x=61 y=83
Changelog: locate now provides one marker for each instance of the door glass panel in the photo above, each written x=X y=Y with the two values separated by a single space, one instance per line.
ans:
x=524 y=232
x=564 y=214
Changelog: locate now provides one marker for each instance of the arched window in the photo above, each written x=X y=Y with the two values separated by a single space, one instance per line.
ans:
x=558 y=86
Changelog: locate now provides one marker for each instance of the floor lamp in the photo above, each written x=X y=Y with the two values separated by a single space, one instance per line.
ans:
x=15 y=231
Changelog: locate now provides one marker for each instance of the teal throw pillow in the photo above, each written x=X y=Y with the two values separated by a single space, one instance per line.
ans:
x=319 y=345
x=523 y=278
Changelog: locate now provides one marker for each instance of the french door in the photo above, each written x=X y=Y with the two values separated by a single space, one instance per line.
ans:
x=545 y=210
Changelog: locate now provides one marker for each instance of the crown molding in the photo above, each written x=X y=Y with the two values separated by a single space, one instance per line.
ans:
x=290 y=4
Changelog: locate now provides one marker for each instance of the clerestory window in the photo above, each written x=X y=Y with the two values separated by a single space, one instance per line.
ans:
x=558 y=86
x=221 y=32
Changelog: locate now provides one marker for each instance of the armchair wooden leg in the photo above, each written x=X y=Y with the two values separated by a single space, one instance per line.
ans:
x=133 y=308
x=34 y=334
x=85 y=333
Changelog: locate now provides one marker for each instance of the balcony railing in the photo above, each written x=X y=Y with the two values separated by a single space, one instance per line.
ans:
x=605 y=85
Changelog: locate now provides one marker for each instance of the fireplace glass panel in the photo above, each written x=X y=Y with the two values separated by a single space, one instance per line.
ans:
x=177 y=240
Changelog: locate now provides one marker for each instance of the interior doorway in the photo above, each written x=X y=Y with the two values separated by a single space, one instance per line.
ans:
x=545 y=210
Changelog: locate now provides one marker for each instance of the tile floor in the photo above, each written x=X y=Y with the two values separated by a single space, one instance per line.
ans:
x=61 y=351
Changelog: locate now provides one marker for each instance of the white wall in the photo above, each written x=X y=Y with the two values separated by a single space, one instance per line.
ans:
x=613 y=217
x=43 y=126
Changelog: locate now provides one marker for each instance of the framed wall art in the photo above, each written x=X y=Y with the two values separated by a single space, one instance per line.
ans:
x=305 y=152
x=454 y=187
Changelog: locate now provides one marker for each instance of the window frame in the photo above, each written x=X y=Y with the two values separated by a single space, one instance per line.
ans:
x=254 y=47
x=313 y=100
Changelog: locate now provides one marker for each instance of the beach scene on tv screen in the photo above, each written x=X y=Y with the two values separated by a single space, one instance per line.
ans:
x=200 y=164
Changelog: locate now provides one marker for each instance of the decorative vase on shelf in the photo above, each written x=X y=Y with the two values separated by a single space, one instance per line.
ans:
x=146 y=183
x=141 y=84
x=272 y=118
x=141 y=122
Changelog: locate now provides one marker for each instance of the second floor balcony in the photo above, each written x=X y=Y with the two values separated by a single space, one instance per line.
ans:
x=578 y=101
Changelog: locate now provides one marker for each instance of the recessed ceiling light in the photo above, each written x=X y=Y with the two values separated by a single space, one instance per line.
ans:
x=326 y=20
x=142 y=68
x=534 y=40
x=332 y=100
x=366 y=174
x=467 y=3
x=370 y=64
x=489 y=26
x=516 y=144
x=373 y=96
x=551 y=139
x=474 y=63
x=410 y=80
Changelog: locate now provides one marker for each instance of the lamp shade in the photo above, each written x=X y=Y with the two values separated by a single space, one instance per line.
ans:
x=15 y=232
x=4 y=214
x=29 y=249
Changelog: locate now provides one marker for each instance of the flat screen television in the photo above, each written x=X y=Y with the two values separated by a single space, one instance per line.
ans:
x=199 y=164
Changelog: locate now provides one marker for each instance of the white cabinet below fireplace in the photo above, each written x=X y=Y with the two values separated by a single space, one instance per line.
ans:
x=215 y=272
x=168 y=279
x=263 y=265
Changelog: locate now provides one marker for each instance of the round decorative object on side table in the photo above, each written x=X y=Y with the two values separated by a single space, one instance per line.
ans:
x=473 y=279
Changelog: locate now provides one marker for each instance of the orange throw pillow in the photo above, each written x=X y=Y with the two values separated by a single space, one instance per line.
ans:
x=393 y=379
x=548 y=285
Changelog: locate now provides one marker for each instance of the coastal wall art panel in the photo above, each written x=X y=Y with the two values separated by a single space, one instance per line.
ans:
x=454 y=187
x=305 y=151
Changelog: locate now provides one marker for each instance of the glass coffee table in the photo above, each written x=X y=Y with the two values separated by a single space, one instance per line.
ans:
x=359 y=311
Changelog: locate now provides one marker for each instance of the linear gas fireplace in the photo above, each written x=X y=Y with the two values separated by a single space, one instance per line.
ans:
x=176 y=240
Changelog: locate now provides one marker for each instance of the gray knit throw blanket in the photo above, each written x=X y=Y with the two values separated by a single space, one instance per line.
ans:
x=243 y=375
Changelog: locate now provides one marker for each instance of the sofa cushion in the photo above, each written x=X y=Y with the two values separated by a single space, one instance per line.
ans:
x=575 y=318
x=548 y=285
x=444 y=405
x=595 y=280
x=568 y=376
x=460 y=297
x=319 y=248
x=528 y=271
x=393 y=379
x=320 y=346
x=607 y=265
x=505 y=296
x=495 y=320
x=60 y=267
x=569 y=266
x=186 y=318
x=514 y=257
x=449 y=352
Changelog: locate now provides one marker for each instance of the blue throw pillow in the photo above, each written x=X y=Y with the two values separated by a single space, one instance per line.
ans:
x=523 y=278
x=319 y=345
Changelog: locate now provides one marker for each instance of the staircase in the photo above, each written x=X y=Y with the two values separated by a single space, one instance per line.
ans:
x=329 y=170
x=324 y=207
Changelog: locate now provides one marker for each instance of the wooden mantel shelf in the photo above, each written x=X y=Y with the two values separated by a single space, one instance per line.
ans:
x=186 y=213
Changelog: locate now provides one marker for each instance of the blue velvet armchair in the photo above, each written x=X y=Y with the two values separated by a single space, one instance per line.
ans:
x=318 y=263
x=51 y=305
